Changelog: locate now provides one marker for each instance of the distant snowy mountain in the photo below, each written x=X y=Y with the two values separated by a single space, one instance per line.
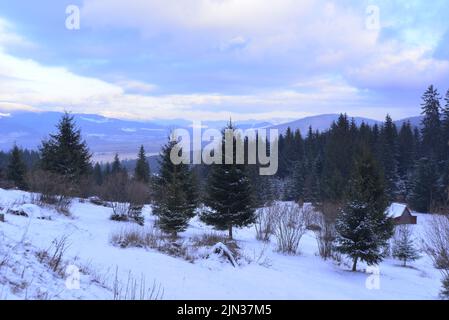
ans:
x=324 y=121
x=319 y=122
x=105 y=136
x=414 y=121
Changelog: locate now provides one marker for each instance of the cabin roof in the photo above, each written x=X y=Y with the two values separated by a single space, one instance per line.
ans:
x=395 y=210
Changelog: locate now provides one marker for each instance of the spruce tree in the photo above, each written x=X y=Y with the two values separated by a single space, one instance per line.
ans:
x=229 y=195
x=338 y=161
x=311 y=187
x=107 y=170
x=16 y=169
x=424 y=185
x=363 y=228
x=389 y=155
x=116 y=165
x=65 y=153
x=445 y=127
x=98 y=174
x=175 y=199
x=298 y=180
x=404 y=246
x=432 y=142
x=142 y=170
x=407 y=150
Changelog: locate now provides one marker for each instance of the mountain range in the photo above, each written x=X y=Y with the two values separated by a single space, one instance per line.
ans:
x=323 y=122
x=106 y=136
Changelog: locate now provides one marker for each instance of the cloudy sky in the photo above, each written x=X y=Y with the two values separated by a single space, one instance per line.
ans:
x=211 y=59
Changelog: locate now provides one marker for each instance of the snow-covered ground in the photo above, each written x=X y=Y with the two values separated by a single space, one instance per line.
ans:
x=263 y=274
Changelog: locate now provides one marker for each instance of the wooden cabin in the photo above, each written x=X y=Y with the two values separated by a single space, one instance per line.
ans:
x=401 y=214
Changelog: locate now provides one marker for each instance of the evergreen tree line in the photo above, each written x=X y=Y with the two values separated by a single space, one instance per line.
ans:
x=15 y=164
x=361 y=168
x=414 y=162
x=64 y=159
x=64 y=167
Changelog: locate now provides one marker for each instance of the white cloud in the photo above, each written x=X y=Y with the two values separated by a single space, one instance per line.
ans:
x=152 y=15
x=9 y=38
x=28 y=85
x=133 y=86
x=310 y=36
x=315 y=39
x=407 y=68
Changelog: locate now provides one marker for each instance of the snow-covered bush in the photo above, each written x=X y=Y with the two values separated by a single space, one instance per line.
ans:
x=210 y=240
x=289 y=227
x=436 y=246
x=120 y=211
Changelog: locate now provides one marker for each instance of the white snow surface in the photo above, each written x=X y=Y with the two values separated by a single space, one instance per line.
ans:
x=395 y=210
x=301 y=276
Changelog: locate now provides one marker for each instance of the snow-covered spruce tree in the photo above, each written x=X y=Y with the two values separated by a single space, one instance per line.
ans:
x=403 y=245
x=16 y=169
x=362 y=226
x=65 y=153
x=229 y=194
x=142 y=170
x=175 y=197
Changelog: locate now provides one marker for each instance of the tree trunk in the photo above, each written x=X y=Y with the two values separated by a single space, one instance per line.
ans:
x=2 y=217
x=230 y=232
x=354 y=265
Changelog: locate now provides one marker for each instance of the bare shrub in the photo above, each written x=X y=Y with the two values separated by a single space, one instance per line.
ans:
x=264 y=225
x=259 y=257
x=127 y=196
x=310 y=215
x=136 y=289
x=114 y=187
x=153 y=238
x=138 y=195
x=53 y=256
x=289 y=227
x=325 y=232
x=137 y=237
x=52 y=189
x=436 y=246
x=120 y=211
x=208 y=239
